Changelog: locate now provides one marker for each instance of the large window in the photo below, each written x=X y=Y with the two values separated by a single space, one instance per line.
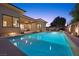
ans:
x=22 y=26
x=4 y=23
x=7 y=21
x=70 y=28
x=38 y=26
x=76 y=29
x=15 y=22
x=29 y=26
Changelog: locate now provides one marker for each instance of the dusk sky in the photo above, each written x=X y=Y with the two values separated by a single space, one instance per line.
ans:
x=47 y=11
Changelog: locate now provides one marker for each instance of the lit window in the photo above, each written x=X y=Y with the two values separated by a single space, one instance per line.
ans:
x=70 y=28
x=76 y=29
x=29 y=26
x=38 y=26
x=15 y=22
x=22 y=26
x=7 y=21
x=4 y=23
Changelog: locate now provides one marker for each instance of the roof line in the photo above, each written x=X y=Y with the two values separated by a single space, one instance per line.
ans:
x=16 y=7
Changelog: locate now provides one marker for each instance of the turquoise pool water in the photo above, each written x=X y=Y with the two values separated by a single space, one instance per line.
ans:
x=43 y=44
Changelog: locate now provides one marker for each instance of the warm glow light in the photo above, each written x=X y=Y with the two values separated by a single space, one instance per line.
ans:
x=4 y=23
x=38 y=26
x=12 y=34
x=15 y=22
x=70 y=28
x=22 y=26
x=76 y=29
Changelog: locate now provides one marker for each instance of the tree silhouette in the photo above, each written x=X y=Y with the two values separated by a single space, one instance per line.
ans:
x=58 y=22
x=75 y=13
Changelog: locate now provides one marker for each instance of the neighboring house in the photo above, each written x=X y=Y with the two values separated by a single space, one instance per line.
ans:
x=12 y=21
x=73 y=28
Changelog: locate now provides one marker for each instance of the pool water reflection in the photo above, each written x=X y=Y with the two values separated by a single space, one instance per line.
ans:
x=43 y=44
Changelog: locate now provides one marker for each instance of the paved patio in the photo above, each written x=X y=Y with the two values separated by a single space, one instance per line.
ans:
x=7 y=49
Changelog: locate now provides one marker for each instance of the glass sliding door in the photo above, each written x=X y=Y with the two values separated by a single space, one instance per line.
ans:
x=15 y=22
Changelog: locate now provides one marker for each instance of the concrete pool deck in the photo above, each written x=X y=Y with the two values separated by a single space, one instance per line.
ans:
x=7 y=49
x=74 y=43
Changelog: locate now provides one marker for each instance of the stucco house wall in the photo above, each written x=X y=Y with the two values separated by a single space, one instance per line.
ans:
x=74 y=28
x=15 y=12
x=7 y=11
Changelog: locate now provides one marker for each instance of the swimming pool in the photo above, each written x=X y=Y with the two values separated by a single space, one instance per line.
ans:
x=43 y=44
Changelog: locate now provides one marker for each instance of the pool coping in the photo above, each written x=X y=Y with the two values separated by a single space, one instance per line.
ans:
x=73 y=46
x=2 y=37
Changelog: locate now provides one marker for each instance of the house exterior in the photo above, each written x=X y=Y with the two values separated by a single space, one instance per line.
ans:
x=73 y=29
x=35 y=25
x=40 y=25
x=12 y=21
